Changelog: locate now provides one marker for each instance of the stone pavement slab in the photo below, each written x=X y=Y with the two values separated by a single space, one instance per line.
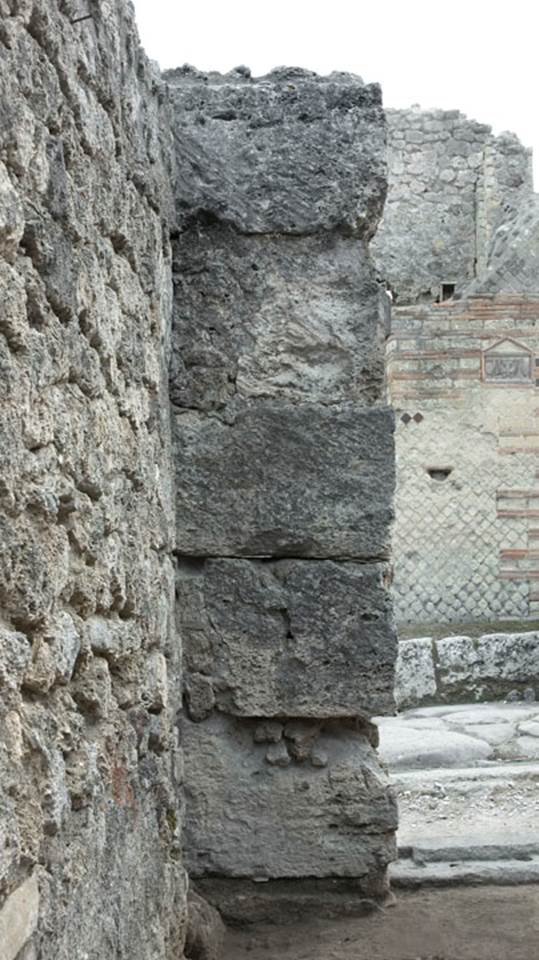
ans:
x=403 y=747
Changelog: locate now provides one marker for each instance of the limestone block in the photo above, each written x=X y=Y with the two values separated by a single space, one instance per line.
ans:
x=291 y=152
x=415 y=680
x=247 y=818
x=271 y=479
x=270 y=316
x=510 y=656
x=18 y=918
x=489 y=666
x=293 y=637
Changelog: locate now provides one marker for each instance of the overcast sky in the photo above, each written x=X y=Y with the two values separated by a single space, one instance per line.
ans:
x=478 y=56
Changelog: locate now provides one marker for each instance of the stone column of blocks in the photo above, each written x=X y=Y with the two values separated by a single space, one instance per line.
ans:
x=284 y=483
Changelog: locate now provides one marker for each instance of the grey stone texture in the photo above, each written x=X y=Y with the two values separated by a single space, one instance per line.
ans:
x=271 y=478
x=274 y=316
x=284 y=480
x=250 y=819
x=288 y=153
x=287 y=638
x=451 y=185
x=460 y=669
x=89 y=807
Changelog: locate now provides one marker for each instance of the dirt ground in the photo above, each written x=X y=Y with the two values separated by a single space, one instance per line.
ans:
x=469 y=923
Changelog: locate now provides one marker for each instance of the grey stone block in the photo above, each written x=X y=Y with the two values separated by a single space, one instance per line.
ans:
x=299 y=318
x=277 y=480
x=247 y=818
x=291 y=153
x=415 y=679
x=289 y=638
x=488 y=667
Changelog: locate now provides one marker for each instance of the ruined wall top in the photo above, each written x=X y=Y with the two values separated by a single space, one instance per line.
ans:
x=451 y=184
x=290 y=152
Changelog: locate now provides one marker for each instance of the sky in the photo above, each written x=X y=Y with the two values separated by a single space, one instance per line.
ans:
x=477 y=56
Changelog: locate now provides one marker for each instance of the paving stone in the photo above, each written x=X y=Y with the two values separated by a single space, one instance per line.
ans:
x=493 y=733
x=521 y=747
x=409 y=748
x=529 y=727
x=407 y=874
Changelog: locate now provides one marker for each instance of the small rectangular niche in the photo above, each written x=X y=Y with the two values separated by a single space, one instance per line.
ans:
x=447 y=291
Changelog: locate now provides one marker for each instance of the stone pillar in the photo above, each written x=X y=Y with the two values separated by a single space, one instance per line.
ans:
x=284 y=485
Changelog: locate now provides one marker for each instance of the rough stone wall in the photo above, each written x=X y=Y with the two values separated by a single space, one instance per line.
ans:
x=284 y=480
x=451 y=185
x=462 y=379
x=89 y=811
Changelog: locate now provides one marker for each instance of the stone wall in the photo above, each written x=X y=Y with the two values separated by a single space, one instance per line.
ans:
x=89 y=807
x=462 y=379
x=451 y=185
x=284 y=481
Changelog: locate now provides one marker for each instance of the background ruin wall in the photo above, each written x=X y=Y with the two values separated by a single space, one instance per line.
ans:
x=462 y=378
x=461 y=371
x=452 y=183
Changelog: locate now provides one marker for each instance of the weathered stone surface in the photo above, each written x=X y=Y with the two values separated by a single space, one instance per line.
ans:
x=290 y=152
x=290 y=638
x=87 y=784
x=488 y=667
x=272 y=479
x=466 y=669
x=415 y=679
x=18 y=918
x=259 y=316
x=246 y=818
x=281 y=451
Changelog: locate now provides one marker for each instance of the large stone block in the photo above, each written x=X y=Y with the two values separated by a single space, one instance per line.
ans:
x=248 y=818
x=299 y=318
x=291 y=638
x=291 y=152
x=488 y=667
x=271 y=479
x=415 y=677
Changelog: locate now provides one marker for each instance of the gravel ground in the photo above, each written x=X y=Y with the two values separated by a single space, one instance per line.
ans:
x=473 y=923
